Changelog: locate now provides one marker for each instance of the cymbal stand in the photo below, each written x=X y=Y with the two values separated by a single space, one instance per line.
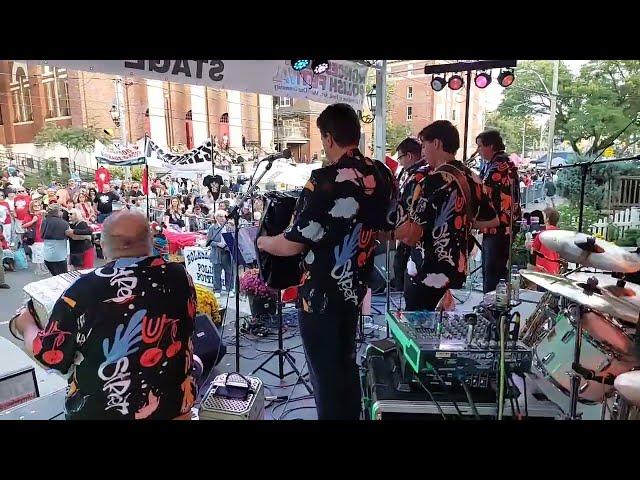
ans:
x=575 y=376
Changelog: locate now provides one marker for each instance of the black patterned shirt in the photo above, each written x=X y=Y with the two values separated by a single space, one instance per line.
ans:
x=123 y=333
x=440 y=258
x=335 y=217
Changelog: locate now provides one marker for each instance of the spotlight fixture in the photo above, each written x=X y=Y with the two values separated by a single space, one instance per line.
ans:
x=299 y=65
x=455 y=82
x=319 y=66
x=482 y=80
x=506 y=78
x=438 y=83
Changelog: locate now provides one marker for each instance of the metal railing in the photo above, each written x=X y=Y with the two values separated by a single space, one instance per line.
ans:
x=532 y=194
x=38 y=166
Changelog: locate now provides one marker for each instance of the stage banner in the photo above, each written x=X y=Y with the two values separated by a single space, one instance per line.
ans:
x=118 y=155
x=196 y=260
x=201 y=154
x=343 y=82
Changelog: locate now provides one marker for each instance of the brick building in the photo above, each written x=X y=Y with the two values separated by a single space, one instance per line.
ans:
x=416 y=104
x=32 y=97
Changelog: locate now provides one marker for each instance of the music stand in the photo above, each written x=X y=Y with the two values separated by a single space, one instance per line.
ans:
x=282 y=354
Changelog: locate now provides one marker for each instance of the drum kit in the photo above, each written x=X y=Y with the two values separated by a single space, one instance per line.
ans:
x=585 y=333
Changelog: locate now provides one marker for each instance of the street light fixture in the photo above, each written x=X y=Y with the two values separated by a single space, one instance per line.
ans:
x=115 y=115
x=371 y=100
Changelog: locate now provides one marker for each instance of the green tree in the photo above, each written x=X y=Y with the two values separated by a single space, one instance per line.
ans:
x=592 y=106
x=396 y=134
x=511 y=129
x=74 y=139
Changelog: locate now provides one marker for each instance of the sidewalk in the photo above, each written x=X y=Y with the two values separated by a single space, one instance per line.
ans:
x=544 y=203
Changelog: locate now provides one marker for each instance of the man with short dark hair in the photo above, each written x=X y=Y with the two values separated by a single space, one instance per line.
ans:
x=448 y=204
x=414 y=169
x=336 y=219
x=503 y=187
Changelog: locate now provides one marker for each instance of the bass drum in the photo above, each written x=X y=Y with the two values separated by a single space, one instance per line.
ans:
x=606 y=350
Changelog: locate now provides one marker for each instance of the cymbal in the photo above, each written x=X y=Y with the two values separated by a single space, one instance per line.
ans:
x=597 y=299
x=590 y=251
x=628 y=385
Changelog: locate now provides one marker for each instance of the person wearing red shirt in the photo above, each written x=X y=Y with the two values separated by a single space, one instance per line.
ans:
x=21 y=204
x=547 y=260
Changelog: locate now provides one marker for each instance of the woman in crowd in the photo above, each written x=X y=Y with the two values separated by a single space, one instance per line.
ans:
x=54 y=234
x=86 y=207
x=93 y=195
x=81 y=249
x=173 y=215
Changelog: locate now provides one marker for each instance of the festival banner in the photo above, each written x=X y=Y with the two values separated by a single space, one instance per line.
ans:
x=198 y=265
x=344 y=81
x=119 y=155
x=156 y=154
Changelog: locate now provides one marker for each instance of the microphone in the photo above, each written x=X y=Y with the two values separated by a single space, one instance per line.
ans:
x=286 y=153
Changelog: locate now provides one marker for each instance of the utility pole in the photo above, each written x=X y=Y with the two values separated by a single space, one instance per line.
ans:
x=552 y=112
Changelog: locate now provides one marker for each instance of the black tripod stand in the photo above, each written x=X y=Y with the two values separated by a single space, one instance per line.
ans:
x=282 y=354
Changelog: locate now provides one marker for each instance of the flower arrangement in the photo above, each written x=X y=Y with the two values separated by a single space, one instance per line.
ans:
x=252 y=284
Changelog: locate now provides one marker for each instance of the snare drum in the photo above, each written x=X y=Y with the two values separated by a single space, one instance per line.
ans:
x=606 y=349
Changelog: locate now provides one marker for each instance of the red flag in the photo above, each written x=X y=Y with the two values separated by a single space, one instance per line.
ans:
x=145 y=181
x=391 y=163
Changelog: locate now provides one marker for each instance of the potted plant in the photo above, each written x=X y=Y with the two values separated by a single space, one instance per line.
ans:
x=262 y=298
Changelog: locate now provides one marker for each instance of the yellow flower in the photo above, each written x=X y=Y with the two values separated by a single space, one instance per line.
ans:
x=208 y=303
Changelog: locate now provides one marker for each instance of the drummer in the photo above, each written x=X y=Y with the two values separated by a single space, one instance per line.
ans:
x=546 y=259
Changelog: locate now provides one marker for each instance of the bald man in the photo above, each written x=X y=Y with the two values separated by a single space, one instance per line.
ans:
x=122 y=332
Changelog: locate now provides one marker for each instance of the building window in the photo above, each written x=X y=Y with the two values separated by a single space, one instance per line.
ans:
x=189 y=129
x=56 y=91
x=1 y=122
x=284 y=101
x=453 y=115
x=21 y=96
x=224 y=118
x=409 y=113
x=409 y=92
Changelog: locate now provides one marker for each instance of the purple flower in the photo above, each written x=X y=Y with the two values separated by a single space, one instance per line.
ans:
x=252 y=284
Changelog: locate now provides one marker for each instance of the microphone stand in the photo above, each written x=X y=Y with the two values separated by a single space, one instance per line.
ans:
x=235 y=215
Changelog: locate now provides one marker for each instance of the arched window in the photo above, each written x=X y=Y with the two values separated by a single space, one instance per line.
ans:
x=189 y=129
x=56 y=91
x=224 y=118
x=21 y=96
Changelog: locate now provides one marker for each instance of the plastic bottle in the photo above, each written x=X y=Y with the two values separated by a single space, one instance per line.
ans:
x=502 y=294
x=515 y=284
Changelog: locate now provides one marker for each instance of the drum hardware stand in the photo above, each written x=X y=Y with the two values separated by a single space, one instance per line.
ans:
x=282 y=354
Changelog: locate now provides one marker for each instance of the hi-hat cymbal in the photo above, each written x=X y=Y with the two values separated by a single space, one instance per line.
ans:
x=628 y=385
x=590 y=251
x=597 y=299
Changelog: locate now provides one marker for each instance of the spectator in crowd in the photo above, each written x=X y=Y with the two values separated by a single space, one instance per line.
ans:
x=220 y=256
x=104 y=203
x=86 y=207
x=6 y=218
x=173 y=215
x=81 y=252
x=6 y=257
x=54 y=234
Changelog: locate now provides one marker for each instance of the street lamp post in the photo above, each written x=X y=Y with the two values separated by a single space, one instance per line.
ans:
x=553 y=95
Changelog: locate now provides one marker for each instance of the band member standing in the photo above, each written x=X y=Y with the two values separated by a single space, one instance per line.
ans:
x=123 y=332
x=448 y=203
x=502 y=185
x=414 y=169
x=335 y=222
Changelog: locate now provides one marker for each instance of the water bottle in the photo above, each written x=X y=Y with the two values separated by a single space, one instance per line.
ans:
x=502 y=294
x=515 y=284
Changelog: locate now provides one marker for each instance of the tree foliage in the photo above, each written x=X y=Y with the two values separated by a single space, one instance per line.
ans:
x=76 y=139
x=592 y=106
x=511 y=129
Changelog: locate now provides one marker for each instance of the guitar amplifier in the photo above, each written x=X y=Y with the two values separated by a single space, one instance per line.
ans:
x=217 y=407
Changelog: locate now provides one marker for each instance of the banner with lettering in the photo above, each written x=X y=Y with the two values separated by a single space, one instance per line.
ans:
x=119 y=155
x=344 y=81
x=196 y=260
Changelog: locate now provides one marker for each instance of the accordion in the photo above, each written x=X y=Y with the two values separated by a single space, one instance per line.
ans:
x=278 y=272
